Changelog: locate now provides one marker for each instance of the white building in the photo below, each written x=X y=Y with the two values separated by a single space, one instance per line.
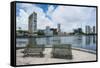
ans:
x=48 y=32
x=88 y=29
x=58 y=27
x=32 y=26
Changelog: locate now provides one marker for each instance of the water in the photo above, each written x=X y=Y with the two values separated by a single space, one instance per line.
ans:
x=79 y=41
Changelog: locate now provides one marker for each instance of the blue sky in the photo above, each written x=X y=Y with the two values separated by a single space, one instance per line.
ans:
x=70 y=17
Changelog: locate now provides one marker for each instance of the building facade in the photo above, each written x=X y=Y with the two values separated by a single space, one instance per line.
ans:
x=94 y=29
x=58 y=27
x=32 y=25
x=48 y=32
x=87 y=29
x=78 y=31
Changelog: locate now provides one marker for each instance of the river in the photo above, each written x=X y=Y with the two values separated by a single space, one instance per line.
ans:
x=79 y=41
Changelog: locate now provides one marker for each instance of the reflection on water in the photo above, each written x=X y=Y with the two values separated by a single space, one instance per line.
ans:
x=58 y=50
x=94 y=39
x=80 y=41
x=56 y=40
x=88 y=40
x=47 y=40
x=32 y=49
x=32 y=41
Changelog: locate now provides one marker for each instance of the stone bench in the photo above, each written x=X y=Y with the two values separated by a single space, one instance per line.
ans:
x=62 y=51
x=34 y=51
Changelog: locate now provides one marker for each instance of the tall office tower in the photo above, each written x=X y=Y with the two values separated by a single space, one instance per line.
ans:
x=32 y=26
x=58 y=27
x=88 y=29
x=94 y=31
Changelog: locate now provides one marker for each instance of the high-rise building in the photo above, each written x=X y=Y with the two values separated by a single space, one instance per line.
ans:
x=94 y=31
x=88 y=29
x=32 y=26
x=58 y=27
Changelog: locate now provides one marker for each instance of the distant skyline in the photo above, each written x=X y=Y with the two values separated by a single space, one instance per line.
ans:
x=70 y=17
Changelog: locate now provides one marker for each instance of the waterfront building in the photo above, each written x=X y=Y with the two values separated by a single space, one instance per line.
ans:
x=75 y=31
x=54 y=31
x=41 y=32
x=32 y=25
x=78 y=31
x=88 y=29
x=94 y=30
x=48 y=32
x=58 y=27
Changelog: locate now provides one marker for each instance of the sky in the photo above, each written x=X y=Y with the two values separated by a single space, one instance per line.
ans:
x=70 y=17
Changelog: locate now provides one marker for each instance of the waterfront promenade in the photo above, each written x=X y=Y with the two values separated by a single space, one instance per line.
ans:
x=78 y=55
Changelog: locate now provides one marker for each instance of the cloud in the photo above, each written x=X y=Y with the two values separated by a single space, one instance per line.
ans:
x=25 y=10
x=50 y=10
x=69 y=17
x=22 y=19
x=73 y=17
